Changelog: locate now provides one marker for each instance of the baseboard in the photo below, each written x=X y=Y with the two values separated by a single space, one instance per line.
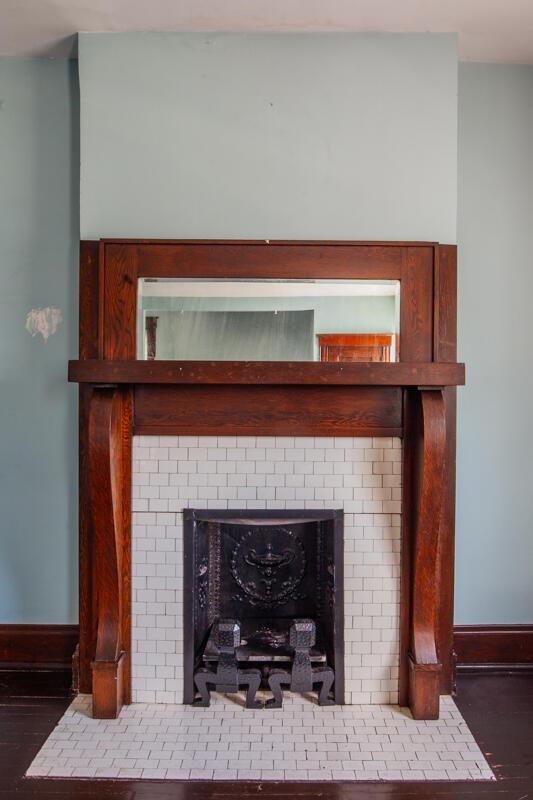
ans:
x=477 y=647
x=37 y=646
x=493 y=648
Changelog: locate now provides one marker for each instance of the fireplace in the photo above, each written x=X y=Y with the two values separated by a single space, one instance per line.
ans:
x=407 y=406
x=263 y=603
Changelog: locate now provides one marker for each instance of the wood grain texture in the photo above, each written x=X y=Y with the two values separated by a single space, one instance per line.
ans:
x=266 y=372
x=23 y=645
x=445 y=331
x=493 y=644
x=445 y=350
x=120 y=301
x=416 y=305
x=109 y=472
x=126 y=479
x=268 y=410
x=90 y=346
x=424 y=664
x=269 y=260
x=411 y=459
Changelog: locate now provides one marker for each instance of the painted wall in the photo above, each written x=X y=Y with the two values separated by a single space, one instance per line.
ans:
x=348 y=136
x=495 y=467
x=38 y=267
x=39 y=158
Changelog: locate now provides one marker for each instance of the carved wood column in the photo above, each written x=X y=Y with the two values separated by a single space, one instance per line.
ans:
x=110 y=490
x=424 y=664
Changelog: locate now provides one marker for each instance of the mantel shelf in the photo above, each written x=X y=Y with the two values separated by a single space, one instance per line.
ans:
x=431 y=374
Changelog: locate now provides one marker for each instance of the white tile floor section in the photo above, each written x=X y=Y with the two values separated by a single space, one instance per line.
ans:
x=227 y=742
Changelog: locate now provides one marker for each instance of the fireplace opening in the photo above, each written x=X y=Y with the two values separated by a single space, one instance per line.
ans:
x=263 y=604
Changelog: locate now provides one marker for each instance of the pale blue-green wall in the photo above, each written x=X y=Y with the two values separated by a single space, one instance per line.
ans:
x=38 y=267
x=495 y=432
x=332 y=136
x=39 y=207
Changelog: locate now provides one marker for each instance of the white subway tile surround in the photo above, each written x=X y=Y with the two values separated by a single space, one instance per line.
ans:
x=367 y=739
x=360 y=475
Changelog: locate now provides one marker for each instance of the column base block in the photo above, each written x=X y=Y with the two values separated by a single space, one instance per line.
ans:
x=424 y=689
x=108 y=687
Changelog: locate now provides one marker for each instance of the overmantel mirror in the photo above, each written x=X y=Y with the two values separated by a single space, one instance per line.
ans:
x=268 y=320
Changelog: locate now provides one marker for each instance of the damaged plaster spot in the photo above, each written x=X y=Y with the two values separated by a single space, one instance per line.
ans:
x=45 y=321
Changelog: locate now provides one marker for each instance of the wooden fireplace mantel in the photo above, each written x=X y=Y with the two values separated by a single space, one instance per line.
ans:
x=266 y=372
x=413 y=398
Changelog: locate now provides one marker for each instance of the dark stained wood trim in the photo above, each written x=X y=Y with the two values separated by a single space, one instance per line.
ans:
x=268 y=410
x=126 y=479
x=445 y=332
x=424 y=664
x=266 y=372
x=416 y=305
x=445 y=350
x=120 y=301
x=110 y=488
x=411 y=459
x=275 y=428
x=123 y=262
x=483 y=645
x=90 y=346
x=493 y=644
x=265 y=259
x=51 y=645
x=101 y=300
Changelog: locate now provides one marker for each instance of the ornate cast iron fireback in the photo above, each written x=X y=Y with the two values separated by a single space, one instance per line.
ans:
x=202 y=581
x=268 y=565
x=265 y=570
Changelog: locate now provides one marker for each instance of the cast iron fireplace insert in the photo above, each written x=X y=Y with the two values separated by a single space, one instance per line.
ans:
x=268 y=578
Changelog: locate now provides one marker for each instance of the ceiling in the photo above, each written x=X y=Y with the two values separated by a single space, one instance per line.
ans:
x=489 y=30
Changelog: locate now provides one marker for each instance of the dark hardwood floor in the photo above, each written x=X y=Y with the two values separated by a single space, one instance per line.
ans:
x=498 y=709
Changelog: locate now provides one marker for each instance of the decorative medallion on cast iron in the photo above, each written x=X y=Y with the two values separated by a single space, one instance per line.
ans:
x=268 y=566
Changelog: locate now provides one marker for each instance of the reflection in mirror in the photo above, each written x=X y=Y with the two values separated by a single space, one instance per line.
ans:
x=268 y=320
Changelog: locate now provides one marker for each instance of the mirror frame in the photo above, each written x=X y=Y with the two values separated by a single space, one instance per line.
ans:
x=122 y=262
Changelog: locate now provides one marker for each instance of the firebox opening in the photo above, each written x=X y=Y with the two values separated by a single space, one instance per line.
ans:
x=263 y=603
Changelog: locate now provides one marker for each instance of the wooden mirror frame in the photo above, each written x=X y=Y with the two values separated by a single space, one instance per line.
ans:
x=120 y=397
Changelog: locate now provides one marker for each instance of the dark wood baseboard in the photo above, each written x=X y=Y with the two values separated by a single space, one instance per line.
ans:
x=477 y=647
x=37 y=646
x=493 y=648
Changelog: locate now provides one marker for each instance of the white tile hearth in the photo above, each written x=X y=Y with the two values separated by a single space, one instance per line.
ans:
x=300 y=742
x=360 y=475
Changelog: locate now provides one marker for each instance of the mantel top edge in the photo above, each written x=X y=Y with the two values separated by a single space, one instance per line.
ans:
x=372 y=243
x=427 y=374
